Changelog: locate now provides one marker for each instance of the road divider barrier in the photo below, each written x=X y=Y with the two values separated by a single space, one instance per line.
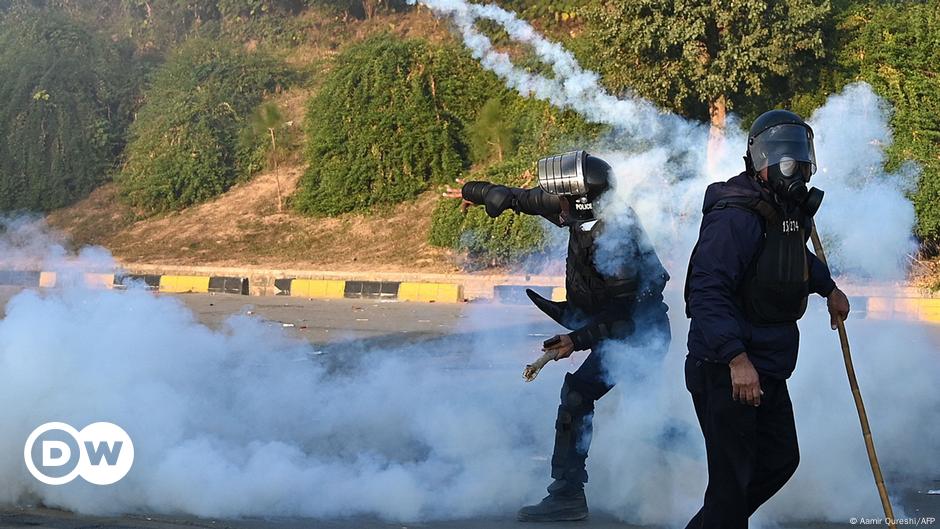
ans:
x=162 y=283
x=398 y=290
x=902 y=303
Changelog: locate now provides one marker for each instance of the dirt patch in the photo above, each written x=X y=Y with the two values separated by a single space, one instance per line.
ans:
x=245 y=228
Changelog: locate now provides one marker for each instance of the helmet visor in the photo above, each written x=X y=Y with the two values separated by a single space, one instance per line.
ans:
x=563 y=174
x=784 y=143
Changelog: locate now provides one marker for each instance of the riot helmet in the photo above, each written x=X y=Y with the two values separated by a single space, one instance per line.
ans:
x=781 y=142
x=577 y=175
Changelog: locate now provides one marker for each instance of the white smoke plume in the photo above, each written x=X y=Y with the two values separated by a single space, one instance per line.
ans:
x=660 y=158
x=243 y=420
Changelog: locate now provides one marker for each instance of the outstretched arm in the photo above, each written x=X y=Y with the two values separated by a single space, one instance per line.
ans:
x=499 y=198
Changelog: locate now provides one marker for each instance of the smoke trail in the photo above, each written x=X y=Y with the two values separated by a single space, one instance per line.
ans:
x=572 y=86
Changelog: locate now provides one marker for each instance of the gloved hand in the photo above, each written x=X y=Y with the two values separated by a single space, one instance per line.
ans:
x=560 y=344
x=456 y=192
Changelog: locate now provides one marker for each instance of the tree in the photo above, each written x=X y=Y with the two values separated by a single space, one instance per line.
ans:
x=703 y=57
x=64 y=106
x=895 y=46
x=266 y=123
x=492 y=134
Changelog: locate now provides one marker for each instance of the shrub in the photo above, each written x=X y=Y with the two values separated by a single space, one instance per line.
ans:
x=188 y=143
x=387 y=122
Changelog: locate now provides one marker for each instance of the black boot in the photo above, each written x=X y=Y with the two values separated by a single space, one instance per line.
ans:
x=565 y=503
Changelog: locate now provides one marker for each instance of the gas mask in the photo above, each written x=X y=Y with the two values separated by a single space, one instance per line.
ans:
x=781 y=142
x=787 y=180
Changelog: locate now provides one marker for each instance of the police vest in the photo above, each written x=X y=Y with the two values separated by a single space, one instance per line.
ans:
x=586 y=287
x=775 y=287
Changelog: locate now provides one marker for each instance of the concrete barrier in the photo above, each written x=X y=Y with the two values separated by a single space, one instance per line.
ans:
x=439 y=292
x=875 y=302
x=356 y=289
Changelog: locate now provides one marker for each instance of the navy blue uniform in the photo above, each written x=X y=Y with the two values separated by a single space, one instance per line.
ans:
x=751 y=451
x=729 y=240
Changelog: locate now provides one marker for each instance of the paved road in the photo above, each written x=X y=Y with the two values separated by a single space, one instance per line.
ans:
x=336 y=324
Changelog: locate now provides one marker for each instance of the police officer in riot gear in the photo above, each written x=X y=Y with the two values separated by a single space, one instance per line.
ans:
x=747 y=285
x=623 y=305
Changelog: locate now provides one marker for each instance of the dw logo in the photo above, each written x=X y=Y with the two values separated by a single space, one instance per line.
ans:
x=101 y=453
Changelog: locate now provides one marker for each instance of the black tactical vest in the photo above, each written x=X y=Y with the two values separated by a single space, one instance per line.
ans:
x=587 y=288
x=775 y=287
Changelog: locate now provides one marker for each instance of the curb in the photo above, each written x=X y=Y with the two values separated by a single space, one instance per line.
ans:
x=876 y=303
x=403 y=291
x=162 y=283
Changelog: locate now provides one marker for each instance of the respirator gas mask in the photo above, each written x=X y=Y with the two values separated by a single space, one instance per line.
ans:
x=782 y=143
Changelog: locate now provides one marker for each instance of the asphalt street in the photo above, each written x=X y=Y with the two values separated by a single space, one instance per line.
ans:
x=355 y=327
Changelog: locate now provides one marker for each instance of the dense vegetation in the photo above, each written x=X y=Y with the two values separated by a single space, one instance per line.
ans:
x=704 y=58
x=895 y=46
x=64 y=106
x=386 y=123
x=191 y=139
x=396 y=116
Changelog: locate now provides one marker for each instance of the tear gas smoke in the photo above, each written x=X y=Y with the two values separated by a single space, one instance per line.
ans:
x=572 y=86
x=246 y=421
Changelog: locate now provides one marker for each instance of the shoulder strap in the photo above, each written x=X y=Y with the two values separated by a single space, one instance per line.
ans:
x=755 y=204
x=764 y=209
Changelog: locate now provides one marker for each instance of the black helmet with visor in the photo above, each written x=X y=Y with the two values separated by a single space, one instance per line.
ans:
x=781 y=142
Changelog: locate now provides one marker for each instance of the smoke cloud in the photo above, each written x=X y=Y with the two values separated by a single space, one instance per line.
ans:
x=244 y=420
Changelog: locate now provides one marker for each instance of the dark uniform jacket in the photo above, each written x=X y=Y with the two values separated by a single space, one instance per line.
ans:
x=599 y=305
x=730 y=239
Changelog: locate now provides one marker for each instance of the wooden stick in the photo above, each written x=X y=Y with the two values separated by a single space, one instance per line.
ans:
x=859 y=405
